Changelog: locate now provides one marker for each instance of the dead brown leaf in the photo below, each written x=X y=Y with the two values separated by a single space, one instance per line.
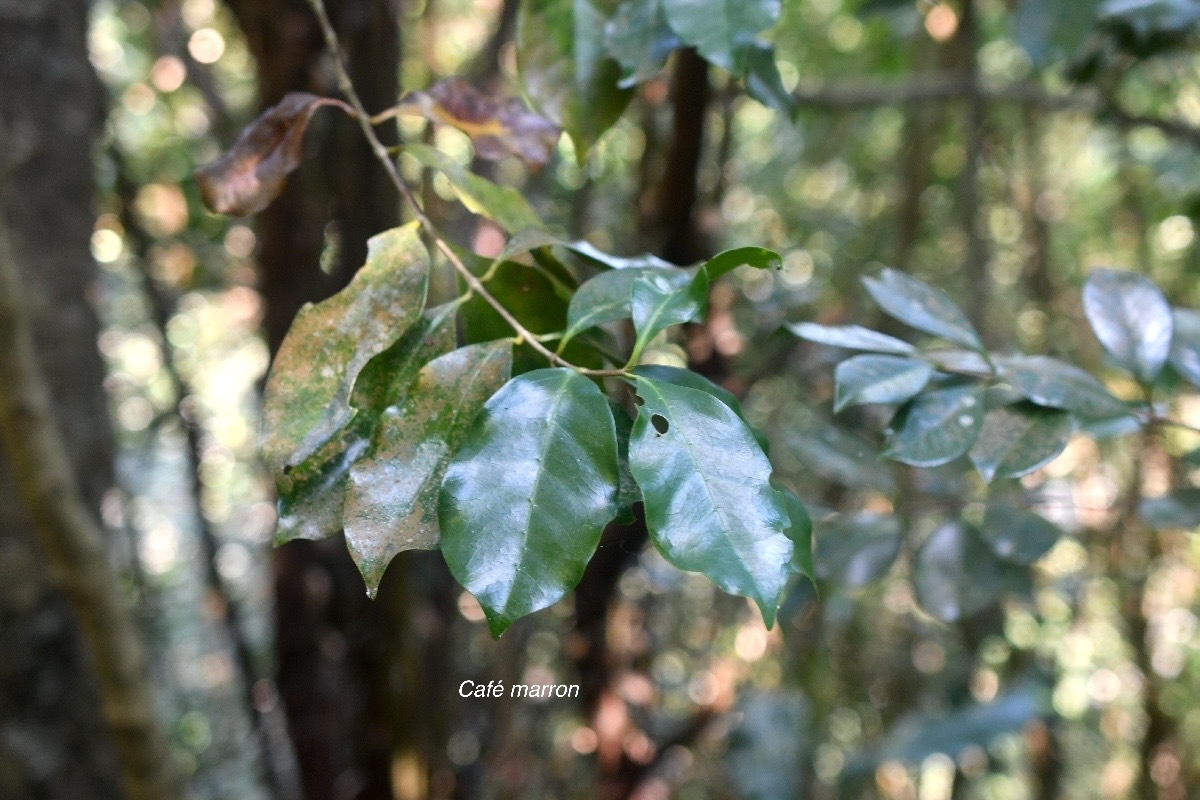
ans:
x=498 y=127
x=252 y=173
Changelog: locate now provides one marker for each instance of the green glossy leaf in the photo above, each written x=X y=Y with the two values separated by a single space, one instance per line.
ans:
x=1017 y=535
x=800 y=532
x=937 y=427
x=955 y=574
x=1018 y=439
x=722 y=30
x=1131 y=319
x=628 y=493
x=693 y=380
x=526 y=497
x=639 y=38
x=853 y=551
x=565 y=67
x=1179 y=509
x=503 y=205
x=709 y=504
x=851 y=337
x=658 y=303
x=392 y=502
x=729 y=260
x=307 y=396
x=312 y=494
x=1057 y=384
x=763 y=81
x=1185 y=345
x=878 y=379
x=922 y=306
x=608 y=296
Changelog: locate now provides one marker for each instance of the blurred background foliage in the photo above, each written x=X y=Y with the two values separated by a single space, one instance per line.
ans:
x=999 y=149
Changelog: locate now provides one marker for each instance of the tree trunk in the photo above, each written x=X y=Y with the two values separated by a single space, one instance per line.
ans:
x=53 y=742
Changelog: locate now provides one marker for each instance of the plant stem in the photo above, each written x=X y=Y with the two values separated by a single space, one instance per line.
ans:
x=381 y=153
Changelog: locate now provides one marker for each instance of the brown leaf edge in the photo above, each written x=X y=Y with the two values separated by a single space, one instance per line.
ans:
x=252 y=173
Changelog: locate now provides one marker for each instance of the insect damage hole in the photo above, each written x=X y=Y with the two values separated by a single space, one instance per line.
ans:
x=660 y=423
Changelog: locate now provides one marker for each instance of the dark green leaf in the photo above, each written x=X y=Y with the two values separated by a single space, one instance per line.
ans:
x=851 y=337
x=565 y=67
x=1057 y=384
x=658 y=303
x=608 y=296
x=922 y=306
x=1017 y=535
x=800 y=532
x=729 y=260
x=307 y=396
x=503 y=205
x=639 y=38
x=1185 y=345
x=937 y=427
x=628 y=493
x=705 y=482
x=763 y=81
x=1018 y=439
x=955 y=574
x=392 y=503
x=692 y=380
x=526 y=497
x=1179 y=509
x=879 y=379
x=1131 y=319
x=722 y=30
x=853 y=551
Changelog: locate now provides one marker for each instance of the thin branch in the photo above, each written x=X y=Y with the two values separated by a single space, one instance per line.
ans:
x=381 y=153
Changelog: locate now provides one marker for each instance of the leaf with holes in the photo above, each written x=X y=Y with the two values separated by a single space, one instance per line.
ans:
x=1057 y=384
x=1018 y=439
x=526 y=497
x=1016 y=535
x=503 y=205
x=722 y=31
x=693 y=380
x=1131 y=319
x=955 y=573
x=308 y=393
x=565 y=68
x=937 y=427
x=851 y=337
x=922 y=306
x=709 y=504
x=247 y=178
x=392 y=502
x=878 y=379
x=498 y=127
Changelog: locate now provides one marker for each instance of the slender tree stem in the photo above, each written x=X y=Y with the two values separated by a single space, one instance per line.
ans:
x=381 y=153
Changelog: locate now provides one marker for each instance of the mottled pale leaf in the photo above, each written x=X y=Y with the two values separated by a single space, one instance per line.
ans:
x=1185 y=345
x=878 y=379
x=1131 y=319
x=722 y=30
x=705 y=483
x=1057 y=384
x=658 y=303
x=503 y=205
x=922 y=306
x=307 y=396
x=853 y=551
x=937 y=427
x=1018 y=439
x=851 y=337
x=526 y=497
x=955 y=573
x=565 y=67
x=1017 y=535
x=498 y=126
x=392 y=502
x=252 y=173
